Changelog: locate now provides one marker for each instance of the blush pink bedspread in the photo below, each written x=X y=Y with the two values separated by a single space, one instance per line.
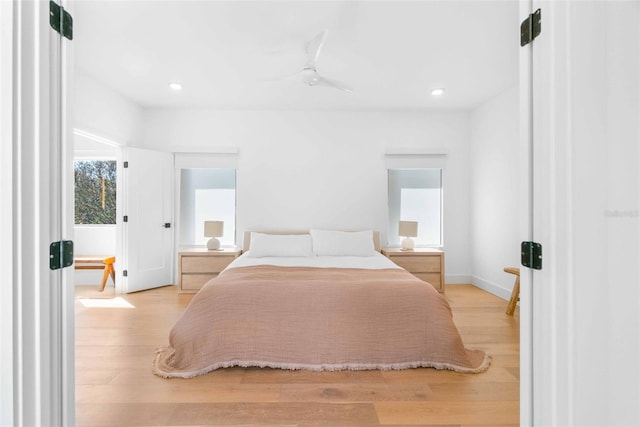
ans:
x=316 y=319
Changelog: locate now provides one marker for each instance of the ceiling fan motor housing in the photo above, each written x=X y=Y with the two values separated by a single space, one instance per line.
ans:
x=310 y=76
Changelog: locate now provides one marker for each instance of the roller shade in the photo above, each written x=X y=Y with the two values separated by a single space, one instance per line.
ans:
x=416 y=159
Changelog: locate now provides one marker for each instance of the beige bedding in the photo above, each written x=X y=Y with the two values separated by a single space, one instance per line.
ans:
x=316 y=319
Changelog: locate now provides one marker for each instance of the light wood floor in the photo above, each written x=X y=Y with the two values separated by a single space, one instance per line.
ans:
x=115 y=386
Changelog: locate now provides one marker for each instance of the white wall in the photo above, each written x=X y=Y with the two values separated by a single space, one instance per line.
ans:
x=104 y=112
x=494 y=161
x=93 y=240
x=300 y=169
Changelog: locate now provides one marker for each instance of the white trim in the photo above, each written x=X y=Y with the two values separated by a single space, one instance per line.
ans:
x=457 y=279
x=121 y=249
x=526 y=212
x=491 y=287
x=67 y=191
x=7 y=415
x=177 y=180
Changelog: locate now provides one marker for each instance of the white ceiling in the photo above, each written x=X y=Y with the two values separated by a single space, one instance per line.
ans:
x=224 y=52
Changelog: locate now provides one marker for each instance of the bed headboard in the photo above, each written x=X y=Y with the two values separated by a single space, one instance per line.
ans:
x=246 y=241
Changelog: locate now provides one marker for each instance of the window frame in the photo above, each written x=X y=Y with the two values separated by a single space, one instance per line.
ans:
x=394 y=238
x=432 y=157
x=180 y=217
x=218 y=158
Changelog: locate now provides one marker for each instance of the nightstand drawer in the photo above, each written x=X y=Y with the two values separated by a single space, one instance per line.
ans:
x=193 y=282
x=434 y=278
x=198 y=266
x=425 y=263
x=205 y=264
x=418 y=263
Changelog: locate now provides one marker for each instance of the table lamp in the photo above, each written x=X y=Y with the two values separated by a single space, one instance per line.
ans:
x=213 y=229
x=408 y=229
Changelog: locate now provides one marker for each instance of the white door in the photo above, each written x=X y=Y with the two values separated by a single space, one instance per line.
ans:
x=147 y=250
x=36 y=298
x=586 y=130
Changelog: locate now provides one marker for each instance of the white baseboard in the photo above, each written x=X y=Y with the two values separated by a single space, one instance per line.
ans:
x=491 y=287
x=457 y=279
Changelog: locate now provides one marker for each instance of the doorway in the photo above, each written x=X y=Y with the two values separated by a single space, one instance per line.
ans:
x=95 y=210
x=185 y=135
x=624 y=217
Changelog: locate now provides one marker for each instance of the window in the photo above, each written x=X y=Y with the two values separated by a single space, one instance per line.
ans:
x=207 y=194
x=416 y=195
x=95 y=191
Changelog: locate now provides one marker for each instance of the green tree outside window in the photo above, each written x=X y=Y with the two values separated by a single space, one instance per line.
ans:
x=95 y=191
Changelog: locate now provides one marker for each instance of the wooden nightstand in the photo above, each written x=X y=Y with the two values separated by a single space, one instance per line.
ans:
x=197 y=266
x=425 y=263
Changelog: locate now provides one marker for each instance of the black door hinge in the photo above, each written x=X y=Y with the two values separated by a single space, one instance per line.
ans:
x=530 y=28
x=125 y=218
x=60 y=254
x=531 y=255
x=125 y=165
x=60 y=20
x=125 y=273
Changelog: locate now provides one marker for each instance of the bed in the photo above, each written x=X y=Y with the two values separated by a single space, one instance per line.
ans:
x=320 y=300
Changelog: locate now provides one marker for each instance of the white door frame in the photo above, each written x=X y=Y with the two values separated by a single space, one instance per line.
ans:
x=117 y=147
x=550 y=305
x=37 y=359
x=546 y=332
x=526 y=229
x=7 y=215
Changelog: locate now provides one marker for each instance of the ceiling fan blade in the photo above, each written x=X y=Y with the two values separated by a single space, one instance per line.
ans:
x=277 y=78
x=314 y=47
x=323 y=81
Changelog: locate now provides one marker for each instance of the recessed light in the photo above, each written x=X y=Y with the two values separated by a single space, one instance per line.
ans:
x=437 y=92
x=175 y=86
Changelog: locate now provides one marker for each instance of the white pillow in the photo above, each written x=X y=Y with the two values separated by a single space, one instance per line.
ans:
x=266 y=245
x=342 y=243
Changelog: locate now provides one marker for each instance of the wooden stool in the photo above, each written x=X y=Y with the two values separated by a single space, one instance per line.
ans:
x=107 y=265
x=515 y=293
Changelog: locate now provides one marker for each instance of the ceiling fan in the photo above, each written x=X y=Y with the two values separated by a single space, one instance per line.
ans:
x=309 y=72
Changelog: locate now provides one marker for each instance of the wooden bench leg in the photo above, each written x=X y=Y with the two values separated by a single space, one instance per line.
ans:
x=108 y=271
x=105 y=276
x=515 y=297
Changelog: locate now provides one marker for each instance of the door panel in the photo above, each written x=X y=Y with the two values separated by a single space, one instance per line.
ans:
x=36 y=334
x=586 y=327
x=148 y=244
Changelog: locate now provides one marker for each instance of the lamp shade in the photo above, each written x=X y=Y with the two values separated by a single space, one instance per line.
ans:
x=408 y=229
x=213 y=228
